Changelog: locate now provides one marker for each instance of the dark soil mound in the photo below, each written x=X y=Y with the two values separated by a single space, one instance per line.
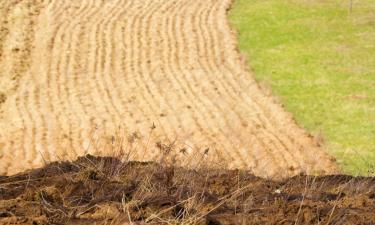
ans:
x=97 y=190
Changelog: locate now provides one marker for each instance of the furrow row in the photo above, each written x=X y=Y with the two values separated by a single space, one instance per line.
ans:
x=96 y=67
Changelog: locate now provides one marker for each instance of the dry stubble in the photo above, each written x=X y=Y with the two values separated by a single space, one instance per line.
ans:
x=74 y=70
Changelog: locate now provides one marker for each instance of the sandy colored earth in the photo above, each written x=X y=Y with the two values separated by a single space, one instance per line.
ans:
x=165 y=74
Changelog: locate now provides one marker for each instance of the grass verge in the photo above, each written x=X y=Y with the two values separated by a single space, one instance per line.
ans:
x=319 y=57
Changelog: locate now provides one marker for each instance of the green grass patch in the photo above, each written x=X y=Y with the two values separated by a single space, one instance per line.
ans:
x=319 y=58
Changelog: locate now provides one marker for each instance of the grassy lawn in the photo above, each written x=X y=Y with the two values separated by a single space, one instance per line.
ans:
x=319 y=58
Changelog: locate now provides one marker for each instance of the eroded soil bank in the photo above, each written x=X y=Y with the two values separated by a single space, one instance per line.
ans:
x=97 y=190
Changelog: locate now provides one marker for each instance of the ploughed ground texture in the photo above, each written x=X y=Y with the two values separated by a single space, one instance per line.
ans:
x=73 y=70
x=104 y=190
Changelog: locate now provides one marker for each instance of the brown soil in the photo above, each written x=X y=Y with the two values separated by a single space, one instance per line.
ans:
x=94 y=190
x=76 y=70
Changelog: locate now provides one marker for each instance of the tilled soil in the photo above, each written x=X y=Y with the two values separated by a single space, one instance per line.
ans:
x=75 y=71
x=97 y=190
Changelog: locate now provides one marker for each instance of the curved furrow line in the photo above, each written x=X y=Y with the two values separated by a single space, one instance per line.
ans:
x=290 y=146
x=210 y=52
x=120 y=49
x=78 y=68
x=34 y=118
x=242 y=135
x=154 y=89
x=73 y=78
x=53 y=12
x=57 y=8
x=292 y=151
x=200 y=45
x=294 y=147
x=67 y=77
x=30 y=148
x=211 y=21
x=166 y=31
x=257 y=130
x=221 y=26
x=118 y=72
x=210 y=118
x=26 y=146
x=209 y=100
x=135 y=109
x=168 y=91
x=216 y=67
x=127 y=64
x=138 y=107
x=112 y=67
x=213 y=66
x=263 y=160
x=36 y=106
x=16 y=39
x=57 y=107
x=203 y=22
x=203 y=49
x=282 y=148
x=103 y=105
x=174 y=27
x=19 y=42
x=274 y=149
x=41 y=94
x=156 y=51
x=77 y=81
x=285 y=149
x=10 y=158
x=278 y=148
x=225 y=112
x=6 y=155
x=105 y=59
x=216 y=106
x=222 y=61
x=194 y=22
x=112 y=82
x=177 y=106
x=136 y=58
x=169 y=75
x=40 y=134
x=141 y=81
x=95 y=104
x=134 y=71
x=101 y=98
x=109 y=73
x=286 y=144
x=84 y=79
x=234 y=97
x=62 y=96
x=226 y=37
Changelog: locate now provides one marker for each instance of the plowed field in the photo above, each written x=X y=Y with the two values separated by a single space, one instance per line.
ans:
x=94 y=190
x=157 y=71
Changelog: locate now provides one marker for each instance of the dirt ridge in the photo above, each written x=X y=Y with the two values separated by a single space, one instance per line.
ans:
x=104 y=190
